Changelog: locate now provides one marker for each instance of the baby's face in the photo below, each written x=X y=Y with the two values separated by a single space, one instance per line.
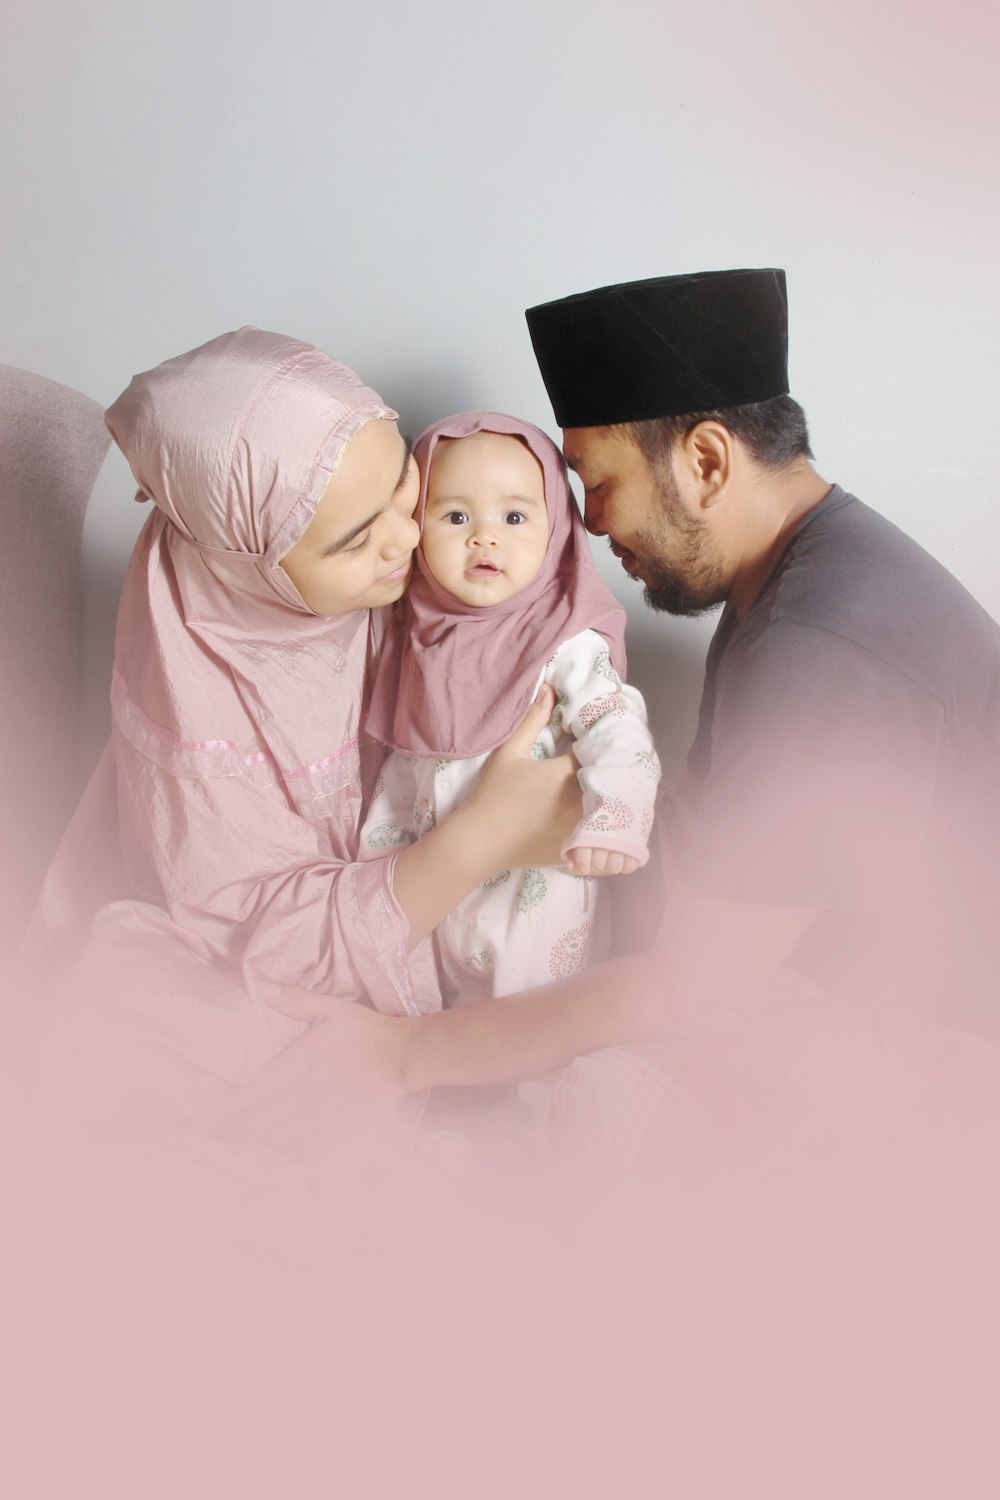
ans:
x=486 y=527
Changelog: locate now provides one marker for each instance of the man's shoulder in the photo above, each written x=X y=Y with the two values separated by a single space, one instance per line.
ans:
x=839 y=563
x=851 y=572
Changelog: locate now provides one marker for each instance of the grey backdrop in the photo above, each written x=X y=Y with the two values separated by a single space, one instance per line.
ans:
x=396 y=183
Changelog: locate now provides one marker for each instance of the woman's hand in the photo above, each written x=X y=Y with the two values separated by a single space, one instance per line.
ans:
x=519 y=815
x=523 y=810
x=344 y=1074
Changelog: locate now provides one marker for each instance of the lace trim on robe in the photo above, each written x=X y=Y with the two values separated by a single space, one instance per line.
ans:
x=205 y=759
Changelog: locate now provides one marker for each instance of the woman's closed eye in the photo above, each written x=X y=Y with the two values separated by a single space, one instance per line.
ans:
x=359 y=546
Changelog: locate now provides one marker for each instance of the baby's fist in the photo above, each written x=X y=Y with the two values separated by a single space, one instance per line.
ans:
x=600 y=862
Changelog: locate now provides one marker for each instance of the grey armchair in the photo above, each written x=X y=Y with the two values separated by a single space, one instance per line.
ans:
x=52 y=444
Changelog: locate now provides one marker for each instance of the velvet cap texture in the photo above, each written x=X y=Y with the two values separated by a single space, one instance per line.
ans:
x=663 y=347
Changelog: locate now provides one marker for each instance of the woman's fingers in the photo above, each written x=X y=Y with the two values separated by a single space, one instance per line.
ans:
x=523 y=809
x=302 y=1005
x=335 y=1079
x=276 y=1079
x=518 y=747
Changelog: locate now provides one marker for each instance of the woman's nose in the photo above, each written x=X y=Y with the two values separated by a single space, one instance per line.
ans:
x=404 y=536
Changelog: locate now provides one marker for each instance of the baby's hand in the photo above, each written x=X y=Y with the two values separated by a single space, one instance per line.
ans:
x=600 y=862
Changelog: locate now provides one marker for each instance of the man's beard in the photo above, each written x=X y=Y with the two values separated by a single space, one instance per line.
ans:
x=675 y=594
x=693 y=583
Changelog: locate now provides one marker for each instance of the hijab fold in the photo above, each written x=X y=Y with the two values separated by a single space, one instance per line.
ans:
x=221 y=668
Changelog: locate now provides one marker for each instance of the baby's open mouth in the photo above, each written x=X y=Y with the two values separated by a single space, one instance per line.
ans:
x=482 y=570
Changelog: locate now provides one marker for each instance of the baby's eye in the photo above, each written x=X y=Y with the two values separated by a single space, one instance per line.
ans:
x=515 y=518
x=456 y=517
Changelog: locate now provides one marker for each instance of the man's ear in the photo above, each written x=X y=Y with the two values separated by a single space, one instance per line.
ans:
x=705 y=458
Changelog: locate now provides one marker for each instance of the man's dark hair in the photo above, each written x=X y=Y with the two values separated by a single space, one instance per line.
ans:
x=773 y=432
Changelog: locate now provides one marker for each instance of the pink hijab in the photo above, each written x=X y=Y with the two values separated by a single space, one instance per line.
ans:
x=221 y=668
x=454 y=680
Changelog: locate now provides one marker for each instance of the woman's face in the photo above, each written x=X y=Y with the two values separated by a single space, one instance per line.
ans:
x=357 y=551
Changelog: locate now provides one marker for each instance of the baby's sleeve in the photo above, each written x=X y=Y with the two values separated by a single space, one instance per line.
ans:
x=391 y=822
x=619 y=768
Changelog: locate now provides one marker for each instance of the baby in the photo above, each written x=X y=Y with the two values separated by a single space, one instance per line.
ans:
x=506 y=597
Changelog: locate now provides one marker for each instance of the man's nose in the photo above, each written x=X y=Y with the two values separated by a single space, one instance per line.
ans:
x=593 y=517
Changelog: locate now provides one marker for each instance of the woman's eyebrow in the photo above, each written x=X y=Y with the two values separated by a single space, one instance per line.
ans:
x=348 y=536
x=407 y=455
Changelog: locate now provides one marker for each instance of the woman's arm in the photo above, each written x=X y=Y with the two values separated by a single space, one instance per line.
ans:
x=282 y=907
x=519 y=814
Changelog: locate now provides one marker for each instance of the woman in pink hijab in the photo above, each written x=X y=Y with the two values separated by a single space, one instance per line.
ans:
x=250 y=615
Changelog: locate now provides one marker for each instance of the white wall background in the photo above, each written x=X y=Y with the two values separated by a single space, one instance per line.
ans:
x=396 y=182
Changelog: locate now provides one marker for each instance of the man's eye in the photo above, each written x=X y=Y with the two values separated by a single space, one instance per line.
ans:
x=456 y=517
x=515 y=518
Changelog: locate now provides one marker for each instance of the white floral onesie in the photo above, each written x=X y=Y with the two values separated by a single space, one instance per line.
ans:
x=524 y=928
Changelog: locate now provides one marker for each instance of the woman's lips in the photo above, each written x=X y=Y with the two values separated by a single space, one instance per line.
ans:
x=398 y=574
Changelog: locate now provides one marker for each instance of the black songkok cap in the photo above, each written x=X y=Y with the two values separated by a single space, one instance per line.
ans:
x=663 y=347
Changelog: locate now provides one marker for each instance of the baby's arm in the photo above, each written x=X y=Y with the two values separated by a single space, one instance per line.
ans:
x=619 y=769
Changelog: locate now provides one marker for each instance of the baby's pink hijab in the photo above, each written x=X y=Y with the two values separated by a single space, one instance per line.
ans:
x=454 y=680
x=221 y=668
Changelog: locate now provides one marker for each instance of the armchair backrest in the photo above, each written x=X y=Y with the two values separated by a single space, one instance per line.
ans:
x=52 y=444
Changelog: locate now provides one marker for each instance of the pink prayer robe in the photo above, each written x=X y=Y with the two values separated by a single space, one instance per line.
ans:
x=235 y=772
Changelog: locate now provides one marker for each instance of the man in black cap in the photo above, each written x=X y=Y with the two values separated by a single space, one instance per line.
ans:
x=840 y=813
x=845 y=765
